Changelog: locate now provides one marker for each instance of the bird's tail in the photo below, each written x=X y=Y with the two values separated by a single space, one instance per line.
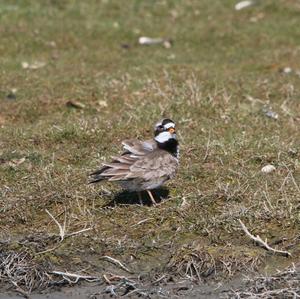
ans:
x=96 y=176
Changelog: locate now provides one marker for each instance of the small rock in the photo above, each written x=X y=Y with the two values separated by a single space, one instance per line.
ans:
x=143 y=40
x=103 y=104
x=16 y=162
x=146 y=41
x=270 y=113
x=33 y=66
x=268 y=168
x=75 y=104
x=243 y=4
x=286 y=70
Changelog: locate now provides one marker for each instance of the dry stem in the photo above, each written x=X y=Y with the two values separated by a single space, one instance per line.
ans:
x=116 y=262
x=262 y=243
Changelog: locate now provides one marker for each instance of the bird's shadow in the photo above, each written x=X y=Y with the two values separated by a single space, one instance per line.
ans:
x=131 y=198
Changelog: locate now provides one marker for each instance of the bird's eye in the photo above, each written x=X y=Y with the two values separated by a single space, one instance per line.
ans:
x=160 y=128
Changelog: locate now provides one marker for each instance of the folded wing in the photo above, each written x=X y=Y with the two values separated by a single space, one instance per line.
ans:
x=156 y=165
x=119 y=168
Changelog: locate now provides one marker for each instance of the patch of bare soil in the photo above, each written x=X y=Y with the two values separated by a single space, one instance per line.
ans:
x=22 y=276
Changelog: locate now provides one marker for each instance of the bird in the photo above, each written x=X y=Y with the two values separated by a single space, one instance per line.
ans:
x=143 y=165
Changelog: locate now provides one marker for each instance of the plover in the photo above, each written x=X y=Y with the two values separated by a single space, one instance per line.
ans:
x=144 y=165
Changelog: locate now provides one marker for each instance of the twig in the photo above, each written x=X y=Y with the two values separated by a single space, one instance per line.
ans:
x=107 y=280
x=290 y=174
x=283 y=284
x=142 y=221
x=116 y=262
x=20 y=290
x=61 y=228
x=207 y=147
x=294 y=181
x=78 y=232
x=262 y=243
x=159 y=279
x=114 y=277
x=66 y=276
x=48 y=250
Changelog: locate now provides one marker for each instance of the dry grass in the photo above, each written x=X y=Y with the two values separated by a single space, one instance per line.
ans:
x=23 y=273
x=283 y=284
x=201 y=264
x=218 y=82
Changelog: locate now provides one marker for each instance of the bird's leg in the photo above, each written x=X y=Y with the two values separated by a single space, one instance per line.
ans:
x=140 y=198
x=151 y=197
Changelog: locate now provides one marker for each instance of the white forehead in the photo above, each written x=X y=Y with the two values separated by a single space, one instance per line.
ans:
x=166 y=126
x=169 y=125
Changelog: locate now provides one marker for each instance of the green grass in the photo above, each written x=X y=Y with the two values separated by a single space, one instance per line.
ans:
x=221 y=72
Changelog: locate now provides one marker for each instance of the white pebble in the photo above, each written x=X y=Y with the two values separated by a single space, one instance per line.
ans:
x=243 y=4
x=287 y=70
x=268 y=168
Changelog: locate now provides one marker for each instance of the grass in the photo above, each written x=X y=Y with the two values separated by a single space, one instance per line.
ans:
x=216 y=81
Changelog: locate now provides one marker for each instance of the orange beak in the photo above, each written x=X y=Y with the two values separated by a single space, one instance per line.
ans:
x=171 y=130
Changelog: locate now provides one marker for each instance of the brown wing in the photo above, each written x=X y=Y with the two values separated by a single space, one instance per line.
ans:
x=119 y=168
x=115 y=170
x=138 y=147
x=157 y=164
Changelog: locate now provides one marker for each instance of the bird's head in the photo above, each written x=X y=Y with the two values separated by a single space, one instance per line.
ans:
x=164 y=131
